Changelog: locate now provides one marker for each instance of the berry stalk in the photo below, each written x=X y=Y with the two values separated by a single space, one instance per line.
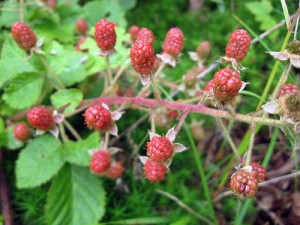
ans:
x=181 y=106
x=251 y=142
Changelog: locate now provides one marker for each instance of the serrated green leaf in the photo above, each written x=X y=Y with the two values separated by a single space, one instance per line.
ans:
x=77 y=152
x=76 y=197
x=96 y=10
x=13 y=61
x=40 y=13
x=74 y=70
x=39 y=161
x=56 y=57
x=63 y=97
x=23 y=90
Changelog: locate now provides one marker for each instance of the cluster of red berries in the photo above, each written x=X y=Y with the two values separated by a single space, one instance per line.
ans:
x=23 y=36
x=105 y=36
x=244 y=183
x=39 y=117
x=102 y=164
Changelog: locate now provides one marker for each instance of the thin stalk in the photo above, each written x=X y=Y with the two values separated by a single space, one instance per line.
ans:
x=63 y=134
x=251 y=142
x=151 y=112
x=108 y=71
x=201 y=172
x=185 y=207
x=229 y=139
x=72 y=130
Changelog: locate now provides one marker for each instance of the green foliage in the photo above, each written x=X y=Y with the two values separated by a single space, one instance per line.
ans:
x=13 y=62
x=77 y=152
x=67 y=96
x=9 y=16
x=16 y=94
x=76 y=197
x=39 y=161
x=262 y=11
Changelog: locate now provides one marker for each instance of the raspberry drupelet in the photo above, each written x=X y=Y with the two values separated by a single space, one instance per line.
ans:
x=100 y=161
x=238 y=45
x=23 y=36
x=142 y=58
x=243 y=184
x=287 y=89
x=41 y=118
x=21 y=131
x=105 y=36
x=154 y=171
x=227 y=84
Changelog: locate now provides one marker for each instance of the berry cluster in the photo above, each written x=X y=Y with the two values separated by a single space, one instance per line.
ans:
x=244 y=183
x=23 y=36
x=105 y=36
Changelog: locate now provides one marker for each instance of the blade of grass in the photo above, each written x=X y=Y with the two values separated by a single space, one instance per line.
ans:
x=286 y=14
x=150 y=220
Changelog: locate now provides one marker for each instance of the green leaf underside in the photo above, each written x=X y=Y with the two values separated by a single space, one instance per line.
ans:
x=63 y=97
x=76 y=197
x=38 y=162
x=24 y=90
x=77 y=152
x=13 y=61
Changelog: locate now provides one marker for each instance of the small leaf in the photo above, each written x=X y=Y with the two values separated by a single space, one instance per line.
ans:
x=63 y=97
x=77 y=152
x=76 y=197
x=24 y=90
x=38 y=162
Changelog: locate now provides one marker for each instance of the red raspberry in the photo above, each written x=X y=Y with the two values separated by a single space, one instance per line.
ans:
x=209 y=86
x=227 y=84
x=203 y=50
x=52 y=4
x=133 y=31
x=159 y=148
x=114 y=171
x=238 y=45
x=21 y=131
x=100 y=161
x=243 y=184
x=154 y=171
x=142 y=57
x=173 y=43
x=81 y=26
x=172 y=113
x=287 y=89
x=105 y=35
x=40 y=118
x=146 y=35
x=258 y=171
x=23 y=36
x=98 y=117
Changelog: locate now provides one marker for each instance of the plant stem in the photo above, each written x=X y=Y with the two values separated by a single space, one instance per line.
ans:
x=229 y=139
x=108 y=71
x=251 y=142
x=72 y=130
x=63 y=134
x=184 y=206
x=201 y=109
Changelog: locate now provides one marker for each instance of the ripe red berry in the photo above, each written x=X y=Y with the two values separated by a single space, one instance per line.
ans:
x=227 y=84
x=81 y=26
x=105 y=35
x=142 y=57
x=287 y=89
x=159 y=148
x=100 y=161
x=21 y=131
x=173 y=43
x=146 y=35
x=203 y=50
x=243 y=184
x=238 y=45
x=154 y=171
x=114 y=171
x=98 y=117
x=23 y=36
x=258 y=171
x=133 y=31
x=210 y=85
x=40 y=118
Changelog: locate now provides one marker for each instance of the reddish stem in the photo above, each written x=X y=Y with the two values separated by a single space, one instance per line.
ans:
x=4 y=194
